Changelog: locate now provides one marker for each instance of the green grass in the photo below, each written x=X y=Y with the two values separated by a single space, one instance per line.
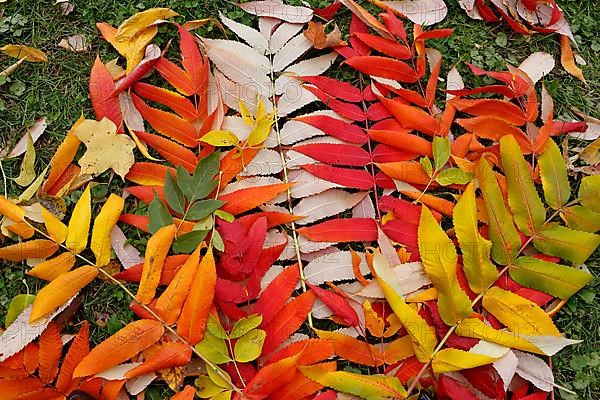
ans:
x=58 y=91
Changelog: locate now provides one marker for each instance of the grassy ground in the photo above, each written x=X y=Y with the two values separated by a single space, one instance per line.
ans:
x=58 y=91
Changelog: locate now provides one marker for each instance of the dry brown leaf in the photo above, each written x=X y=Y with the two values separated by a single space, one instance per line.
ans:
x=65 y=6
x=591 y=154
x=75 y=43
x=105 y=149
x=20 y=51
x=321 y=40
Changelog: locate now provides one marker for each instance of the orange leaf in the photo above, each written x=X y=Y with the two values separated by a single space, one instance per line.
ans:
x=156 y=251
x=13 y=388
x=51 y=269
x=398 y=350
x=233 y=163
x=499 y=109
x=403 y=140
x=567 y=59
x=148 y=174
x=120 y=347
x=313 y=351
x=37 y=248
x=246 y=199
x=50 y=352
x=62 y=158
x=192 y=322
x=57 y=292
x=169 y=355
x=270 y=378
x=353 y=349
x=10 y=210
x=78 y=349
x=173 y=152
x=175 y=76
x=178 y=103
x=373 y=322
x=493 y=128
x=171 y=301
x=406 y=171
x=31 y=357
x=187 y=393
x=289 y=319
x=300 y=386
x=411 y=117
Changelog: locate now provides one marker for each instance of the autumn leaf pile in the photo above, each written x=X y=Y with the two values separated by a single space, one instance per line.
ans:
x=307 y=238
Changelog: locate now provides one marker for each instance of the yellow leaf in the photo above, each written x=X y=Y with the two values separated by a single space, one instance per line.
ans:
x=105 y=149
x=136 y=47
x=103 y=224
x=373 y=322
x=246 y=114
x=553 y=172
x=518 y=314
x=398 y=350
x=261 y=130
x=220 y=138
x=140 y=21
x=448 y=360
x=54 y=227
x=422 y=335
x=27 y=173
x=439 y=258
x=478 y=268
x=477 y=329
x=79 y=224
x=156 y=251
x=37 y=248
x=29 y=53
x=57 y=292
x=54 y=267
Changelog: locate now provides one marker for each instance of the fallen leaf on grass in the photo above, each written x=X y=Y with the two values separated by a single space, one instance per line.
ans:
x=321 y=40
x=75 y=43
x=20 y=51
x=105 y=149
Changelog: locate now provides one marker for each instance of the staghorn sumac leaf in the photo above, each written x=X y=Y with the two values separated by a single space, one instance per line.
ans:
x=553 y=172
x=50 y=352
x=169 y=355
x=36 y=248
x=338 y=305
x=79 y=224
x=274 y=297
x=352 y=349
x=156 y=252
x=560 y=241
x=102 y=93
x=78 y=349
x=106 y=219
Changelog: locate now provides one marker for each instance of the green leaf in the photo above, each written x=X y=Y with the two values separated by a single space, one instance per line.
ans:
x=203 y=209
x=173 y=194
x=245 y=325
x=369 y=387
x=525 y=204
x=206 y=388
x=506 y=241
x=208 y=167
x=563 y=242
x=426 y=164
x=214 y=349
x=589 y=192
x=214 y=326
x=581 y=218
x=224 y=215
x=451 y=176
x=17 y=305
x=217 y=241
x=557 y=280
x=158 y=214
x=188 y=242
x=249 y=346
x=480 y=271
x=202 y=184
x=441 y=151
x=439 y=258
x=553 y=172
x=215 y=377
x=184 y=180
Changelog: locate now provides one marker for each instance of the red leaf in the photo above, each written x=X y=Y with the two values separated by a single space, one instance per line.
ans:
x=242 y=247
x=499 y=109
x=102 y=93
x=334 y=153
x=139 y=221
x=276 y=294
x=342 y=230
x=338 y=305
x=144 y=67
x=287 y=321
x=350 y=178
x=386 y=46
x=454 y=389
x=348 y=110
x=193 y=61
x=384 y=67
x=329 y=11
x=333 y=87
x=336 y=127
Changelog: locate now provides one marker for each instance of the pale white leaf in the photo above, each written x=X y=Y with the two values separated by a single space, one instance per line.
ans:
x=538 y=65
x=36 y=130
x=233 y=92
x=364 y=209
x=470 y=8
x=326 y=204
x=117 y=372
x=423 y=12
x=254 y=38
x=550 y=345
x=126 y=253
x=291 y=51
x=294 y=131
x=454 y=81
x=34 y=212
x=266 y=162
x=267 y=25
x=249 y=183
x=311 y=67
x=410 y=277
x=308 y=246
x=535 y=370
x=333 y=267
x=308 y=257
x=294 y=98
x=138 y=384
x=306 y=184
x=284 y=32
x=506 y=367
x=592 y=132
x=20 y=333
x=131 y=116
x=276 y=9
x=237 y=126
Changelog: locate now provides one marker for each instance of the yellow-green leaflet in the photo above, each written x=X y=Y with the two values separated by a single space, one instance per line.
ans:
x=103 y=224
x=448 y=360
x=27 y=174
x=563 y=242
x=370 y=387
x=525 y=204
x=439 y=258
x=589 y=192
x=520 y=315
x=581 y=218
x=503 y=234
x=553 y=172
x=557 y=280
x=249 y=346
x=480 y=271
x=422 y=335
x=79 y=224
